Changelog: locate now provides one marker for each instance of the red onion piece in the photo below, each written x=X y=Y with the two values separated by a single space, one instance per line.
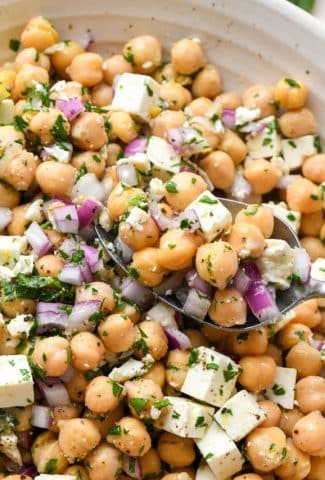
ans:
x=88 y=40
x=92 y=258
x=69 y=246
x=37 y=239
x=41 y=416
x=250 y=269
x=195 y=281
x=286 y=180
x=126 y=173
x=177 y=339
x=261 y=302
x=85 y=272
x=229 y=117
x=132 y=467
x=240 y=189
x=318 y=344
x=241 y=281
x=81 y=312
x=53 y=392
x=71 y=274
x=162 y=221
x=49 y=316
x=196 y=305
x=187 y=168
x=89 y=186
x=5 y=217
x=27 y=437
x=170 y=284
x=88 y=233
x=252 y=127
x=71 y=107
x=61 y=152
x=136 y=292
x=68 y=374
x=138 y=145
x=125 y=252
x=88 y=211
x=179 y=319
x=302 y=265
x=175 y=138
x=66 y=219
x=188 y=220
x=30 y=471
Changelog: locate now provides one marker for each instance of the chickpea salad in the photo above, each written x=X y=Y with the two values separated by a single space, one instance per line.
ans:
x=99 y=380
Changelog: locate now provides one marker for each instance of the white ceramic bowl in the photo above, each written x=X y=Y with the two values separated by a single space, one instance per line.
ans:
x=250 y=41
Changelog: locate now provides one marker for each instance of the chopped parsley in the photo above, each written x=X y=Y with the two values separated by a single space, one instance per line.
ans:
x=133 y=272
x=138 y=404
x=208 y=200
x=292 y=144
x=171 y=187
x=160 y=404
x=251 y=210
x=242 y=337
x=200 y=422
x=230 y=372
x=313 y=196
x=51 y=465
x=149 y=89
x=212 y=366
x=117 y=389
x=278 y=389
x=208 y=456
x=300 y=335
x=283 y=453
x=38 y=371
x=292 y=83
x=291 y=217
x=82 y=171
x=317 y=144
x=266 y=141
x=14 y=44
x=77 y=257
x=96 y=159
x=58 y=130
x=186 y=223
x=114 y=430
x=19 y=123
x=194 y=357
x=175 y=415
x=128 y=55
x=226 y=411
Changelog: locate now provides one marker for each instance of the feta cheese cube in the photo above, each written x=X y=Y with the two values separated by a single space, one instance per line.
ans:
x=291 y=217
x=204 y=472
x=5 y=274
x=34 y=212
x=45 y=476
x=21 y=325
x=267 y=143
x=220 y=452
x=7 y=111
x=135 y=94
x=137 y=218
x=140 y=161
x=16 y=381
x=214 y=217
x=185 y=418
x=276 y=263
x=244 y=115
x=318 y=270
x=105 y=220
x=11 y=247
x=211 y=376
x=8 y=446
x=131 y=368
x=24 y=265
x=282 y=391
x=240 y=415
x=163 y=157
x=156 y=187
x=163 y=314
x=296 y=150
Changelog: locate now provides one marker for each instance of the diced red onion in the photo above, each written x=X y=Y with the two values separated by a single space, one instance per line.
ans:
x=88 y=186
x=170 y=284
x=175 y=138
x=92 y=258
x=81 y=312
x=127 y=174
x=61 y=152
x=37 y=239
x=30 y=471
x=68 y=374
x=286 y=180
x=88 y=211
x=88 y=40
x=187 y=168
x=195 y=281
x=66 y=219
x=49 y=316
x=71 y=274
x=318 y=344
x=241 y=281
x=250 y=269
x=125 y=252
x=261 y=303
x=27 y=437
x=52 y=307
x=252 y=127
x=132 y=467
x=69 y=246
x=88 y=233
x=179 y=319
x=5 y=217
x=53 y=392
x=192 y=219
x=136 y=292
x=71 y=107
x=196 y=305
x=162 y=221
x=138 y=145
x=41 y=416
x=177 y=339
x=240 y=189
x=302 y=265
x=229 y=117
x=85 y=272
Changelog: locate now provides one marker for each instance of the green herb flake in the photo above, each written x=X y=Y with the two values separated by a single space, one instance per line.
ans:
x=171 y=187
x=292 y=83
x=266 y=141
x=200 y=422
x=138 y=404
x=226 y=411
x=291 y=217
x=117 y=389
x=149 y=89
x=82 y=171
x=19 y=123
x=133 y=272
x=51 y=466
x=212 y=366
x=96 y=159
x=292 y=144
x=278 y=389
x=186 y=223
x=194 y=357
x=208 y=200
x=58 y=131
x=128 y=55
x=175 y=415
x=283 y=453
x=114 y=430
x=230 y=372
x=160 y=404
x=317 y=144
x=251 y=210
x=14 y=44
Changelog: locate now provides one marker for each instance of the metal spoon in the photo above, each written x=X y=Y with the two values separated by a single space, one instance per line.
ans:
x=285 y=299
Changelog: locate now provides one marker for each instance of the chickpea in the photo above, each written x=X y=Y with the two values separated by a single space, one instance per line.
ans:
x=70 y=90
x=248 y=476
x=139 y=237
x=101 y=396
x=187 y=56
x=103 y=463
x=258 y=215
x=150 y=464
x=45 y=448
x=76 y=387
x=52 y=355
x=257 y=372
x=176 y=451
x=61 y=59
x=311 y=223
x=253 y=342
x=228 y=308
x=11 y=308
x=25 y=78
x=314 y=247
x=88 y=131
x=308 y=434
x=115 y=65
x=313 y=168
x=97 y=291
x=177 y=248
x=33 y=57
x=265 y=448
x=133 y=440
x=77 y=437
x=39 y=33
x=157 y=373
x=118 y=200
x=308 y=313
x=288 y=420
x=177 y=476
x=310 y=394
x=177 y=367
x=131 y=311
x=17 y=477
x=87 y=351
x=290 y=93
x=303 y=195
x=220 y=168
x=174 y=94
x=232 y=144
x=164 y=73
x=262 y=97
x=55 y=178
x=317 y=470
x=145 y=389
x=165 y=120
x=8 y=135
x=49 y=265
x=188 y=187
x=143 y=52
x=78 y=471
x=275 y=353
x=102 y=95
x=155 y=340
x=123 y=126
x=207 y=83
x=305 y=359
x=247 y=240
x=273 y=413
x=199 y=106
x=7 y=78
x=94 y=163
x=113 y=153
x=9 y=198
x=55 y=237
x=196 y=337
x=146 y=263
x=86 y=68
x=216 y=263
x=262 y=175
x=17 y=226
x=117 y=333
x=297 y=123
x=66 y=412
x=293 y=333
x=209 y=135
x=296 y=464
x=23 y=416
x=229 y=100
x=104 y=422
x=18 y=167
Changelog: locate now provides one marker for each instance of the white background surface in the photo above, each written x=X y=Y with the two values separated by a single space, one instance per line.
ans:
x=320 y=10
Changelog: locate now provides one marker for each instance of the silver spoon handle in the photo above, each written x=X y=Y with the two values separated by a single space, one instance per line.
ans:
x=315 y=289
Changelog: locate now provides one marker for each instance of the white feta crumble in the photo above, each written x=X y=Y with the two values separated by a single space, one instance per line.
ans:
x=34 y=212
x=135 y=94
x=8 y=446
x=21 y=325
x=139 y=160
x=214 y=217
x=5 y=274
x=7 y=111
x=295 y=150
x=131 y=368
x=267 y=143
x=61 y=152
x=11 y=247
x=156 y=187
x=165 y=161
x=279 y=163
x=282 y=391
x=45 y=476
x=204 y=472
x=185 y=418
x=291 y=217
x=25 y=265
x=244 y=115
x=162 y=314
x=136 y=218
x=105 y=220
x=240 y=415
x=276 y=263
x=16 y=381
x=318 y=270
x=57 y=47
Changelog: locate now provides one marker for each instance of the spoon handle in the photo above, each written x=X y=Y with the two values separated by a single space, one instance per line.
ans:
x=316 y=289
